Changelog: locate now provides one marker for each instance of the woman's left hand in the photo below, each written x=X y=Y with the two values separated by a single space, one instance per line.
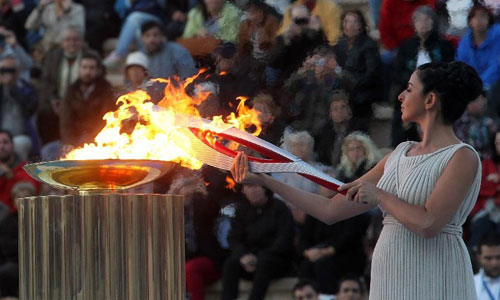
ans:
x=362 y=192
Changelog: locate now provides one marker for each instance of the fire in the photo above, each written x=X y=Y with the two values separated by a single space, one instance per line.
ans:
x=138 y=129
x=230 y=184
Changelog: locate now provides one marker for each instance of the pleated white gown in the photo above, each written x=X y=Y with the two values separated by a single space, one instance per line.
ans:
x=406 y=266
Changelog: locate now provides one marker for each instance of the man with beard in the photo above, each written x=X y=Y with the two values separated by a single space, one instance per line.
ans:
x=86 y=102
x=166 y=58
x=488 y=279
x=11 y=170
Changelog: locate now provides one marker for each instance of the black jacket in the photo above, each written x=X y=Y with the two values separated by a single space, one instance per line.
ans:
x=263 y=231
x=361 y=67
x=345 y=236
x=440 y=50
x=205 y=213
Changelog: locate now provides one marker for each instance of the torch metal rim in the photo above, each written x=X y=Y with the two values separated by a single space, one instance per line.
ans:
x=97 y=175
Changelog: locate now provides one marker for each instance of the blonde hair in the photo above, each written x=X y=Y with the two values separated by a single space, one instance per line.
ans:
x=372 y=153
x=295 y=137
x=194 y=180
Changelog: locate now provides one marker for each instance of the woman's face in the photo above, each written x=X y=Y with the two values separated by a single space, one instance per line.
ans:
x=479 y=22
x=340 y=111
x=301 y=150
x=351 y=25
x=497 y=142
x=264 y=113
x=423 y=25
x=412 y=100
x=355 y=151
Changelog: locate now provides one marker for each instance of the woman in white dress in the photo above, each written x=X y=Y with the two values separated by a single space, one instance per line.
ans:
x=425 y=190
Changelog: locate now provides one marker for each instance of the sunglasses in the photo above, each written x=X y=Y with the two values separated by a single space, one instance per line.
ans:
x=301 y=21
x=8 y=70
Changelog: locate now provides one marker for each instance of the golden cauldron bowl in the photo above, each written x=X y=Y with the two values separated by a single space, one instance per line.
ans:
x=98 y=175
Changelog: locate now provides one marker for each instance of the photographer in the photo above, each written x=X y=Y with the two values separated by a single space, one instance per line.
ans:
x=300 y=38
x=9 y=46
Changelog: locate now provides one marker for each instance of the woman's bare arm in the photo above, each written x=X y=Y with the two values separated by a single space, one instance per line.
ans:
x=327 y=210
x=447 y=195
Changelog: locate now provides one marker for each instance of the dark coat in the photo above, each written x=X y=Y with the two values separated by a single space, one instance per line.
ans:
x=288 y=58
x=361 y=67
x=205 y=213
x=345 y=236
x=81 y=119
x=440 y=50
x=263 y=231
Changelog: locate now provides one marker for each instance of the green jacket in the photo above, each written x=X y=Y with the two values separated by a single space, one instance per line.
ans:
x=229 y=23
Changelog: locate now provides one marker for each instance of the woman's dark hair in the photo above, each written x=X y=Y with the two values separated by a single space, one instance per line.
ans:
x=455 y=83
x=360 y=17
x=478 y=5
x=263 y=7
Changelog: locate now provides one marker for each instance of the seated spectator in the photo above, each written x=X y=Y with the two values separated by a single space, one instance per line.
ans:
x=229 y=81
x=166 y=59
x=396 y=21
x=300 y=144
x=485 y=215
x=18 y=103
x=341 y=123
x=86 y=102
x=427 y=45
x=350 y=288
x=326 y=11
x=296 y=41
x=257 y=37
x=9 y=46
x=305 y=290
x=480 y=47
x=330 y=252
x=210 y=23
x=204 y=256
x=269 y=117
x=54 y=17
x=9 y=260
x=488 y=279
x=358 y=57
x=14 y=14
x=261 y=243
x=475 y=128
x=136 y=71
x=359 y=155
x=101 y=23
x=11 y=170
x=139 y=13
x=177 y=11
x=59 y=71
x=310 y=89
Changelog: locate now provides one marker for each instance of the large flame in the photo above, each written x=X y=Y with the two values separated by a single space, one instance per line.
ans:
x=138 y=129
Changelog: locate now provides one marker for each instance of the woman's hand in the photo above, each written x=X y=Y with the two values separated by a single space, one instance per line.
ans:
x=362 y=192
x=241 y=171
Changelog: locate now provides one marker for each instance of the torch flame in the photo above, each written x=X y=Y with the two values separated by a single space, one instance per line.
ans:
x=138 y=129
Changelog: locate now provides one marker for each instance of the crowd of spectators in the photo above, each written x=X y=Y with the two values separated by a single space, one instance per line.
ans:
x=316 y=74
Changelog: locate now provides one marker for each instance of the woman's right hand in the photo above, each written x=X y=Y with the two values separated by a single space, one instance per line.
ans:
x=241 y=171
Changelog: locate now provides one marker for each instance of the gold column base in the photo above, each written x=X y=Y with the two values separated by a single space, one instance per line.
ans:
x=101 y=247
